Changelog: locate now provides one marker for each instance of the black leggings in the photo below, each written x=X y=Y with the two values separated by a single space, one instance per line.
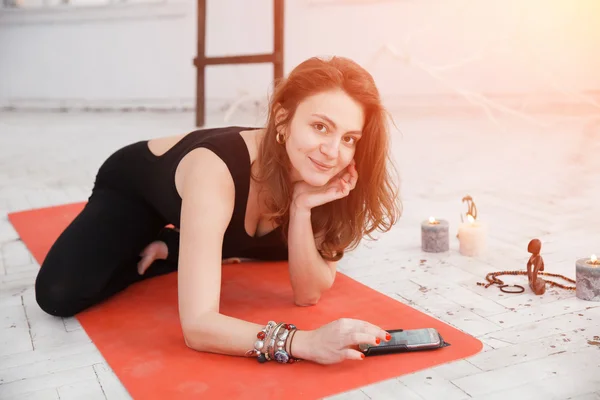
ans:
x=97 y=255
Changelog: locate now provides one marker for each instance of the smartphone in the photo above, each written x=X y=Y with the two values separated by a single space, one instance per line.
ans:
x=406 y=340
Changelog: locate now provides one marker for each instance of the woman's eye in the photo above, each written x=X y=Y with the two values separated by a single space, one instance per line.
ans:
x=320 y=127
x=350 y=139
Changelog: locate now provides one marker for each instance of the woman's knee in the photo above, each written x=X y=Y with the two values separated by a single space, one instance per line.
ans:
x=56 y=297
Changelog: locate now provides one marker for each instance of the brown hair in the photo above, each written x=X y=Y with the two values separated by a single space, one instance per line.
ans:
x=372 y=204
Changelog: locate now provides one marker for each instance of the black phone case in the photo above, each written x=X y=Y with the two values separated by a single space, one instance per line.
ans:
x=381 y=350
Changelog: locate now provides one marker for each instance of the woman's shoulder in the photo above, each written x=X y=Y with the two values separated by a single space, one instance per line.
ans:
x=252 y=138
x=221 y=156
x=226 y=140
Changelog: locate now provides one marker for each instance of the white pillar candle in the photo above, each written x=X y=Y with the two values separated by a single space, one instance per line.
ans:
x=587 y=279
x=472 y=237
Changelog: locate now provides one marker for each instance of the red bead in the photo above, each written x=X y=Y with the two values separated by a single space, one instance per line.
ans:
x=261 y=335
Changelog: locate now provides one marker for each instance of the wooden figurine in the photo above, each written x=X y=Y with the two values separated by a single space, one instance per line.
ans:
x=471 y=207
x=535 y=265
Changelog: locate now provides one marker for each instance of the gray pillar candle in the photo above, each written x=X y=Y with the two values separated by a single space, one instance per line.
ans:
x=434 y=236
x=587 y=279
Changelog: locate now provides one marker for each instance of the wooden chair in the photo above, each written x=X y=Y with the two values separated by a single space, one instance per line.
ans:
x=201 y=61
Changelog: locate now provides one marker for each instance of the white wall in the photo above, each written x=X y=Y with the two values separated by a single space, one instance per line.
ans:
x=142 y=56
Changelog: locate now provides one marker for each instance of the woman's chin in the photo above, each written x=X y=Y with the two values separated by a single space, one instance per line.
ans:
x=316 y=180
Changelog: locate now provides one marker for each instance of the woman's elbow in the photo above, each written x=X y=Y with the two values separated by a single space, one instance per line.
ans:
x=194 y=335
x=187 y=342
x=190 y=337
x=307 y=301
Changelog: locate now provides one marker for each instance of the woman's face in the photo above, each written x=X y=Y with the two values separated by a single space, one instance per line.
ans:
x=321 y=139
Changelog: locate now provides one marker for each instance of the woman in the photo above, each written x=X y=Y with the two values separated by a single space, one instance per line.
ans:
x=290 y=191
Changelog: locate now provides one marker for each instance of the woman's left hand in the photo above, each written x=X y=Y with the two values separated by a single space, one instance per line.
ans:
x=306 y=196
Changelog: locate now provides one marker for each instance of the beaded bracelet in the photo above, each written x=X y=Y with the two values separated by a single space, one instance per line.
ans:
x=288 y=348
x=259 y=344
x=272 y=343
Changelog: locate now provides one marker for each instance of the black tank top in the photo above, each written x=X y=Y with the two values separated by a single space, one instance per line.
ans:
x=153 y=177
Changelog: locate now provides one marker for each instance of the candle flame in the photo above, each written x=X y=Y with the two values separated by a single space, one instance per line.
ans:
x=470 y=218
x=431 y=220
x=593 y=261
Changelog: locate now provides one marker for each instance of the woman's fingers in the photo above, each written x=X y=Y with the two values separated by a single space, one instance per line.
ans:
x=144 y=263
x=346 y=177
x=349 y=178
x=371 y=329
x=353 y=175
x=351 y=354
x=345 y=184
x=376 y=331
x=356 y=338
x=337 y=188
x=156 y=250
x=345 y=188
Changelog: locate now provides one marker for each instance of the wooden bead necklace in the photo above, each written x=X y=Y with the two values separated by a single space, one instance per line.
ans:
x=493 y=280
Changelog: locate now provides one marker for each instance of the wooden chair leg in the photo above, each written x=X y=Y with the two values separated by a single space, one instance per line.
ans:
x=201 y=61
x=200 y=64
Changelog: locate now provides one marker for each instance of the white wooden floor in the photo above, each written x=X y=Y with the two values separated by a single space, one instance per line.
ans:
x=528 y=181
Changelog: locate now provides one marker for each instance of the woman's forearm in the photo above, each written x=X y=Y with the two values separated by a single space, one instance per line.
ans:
x=310 y=274
x=218 y=333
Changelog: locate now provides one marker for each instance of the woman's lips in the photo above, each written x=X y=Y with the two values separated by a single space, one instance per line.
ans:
x=320 y=166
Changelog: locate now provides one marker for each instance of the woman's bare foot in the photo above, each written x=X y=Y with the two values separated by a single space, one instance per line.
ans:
x=156 y=250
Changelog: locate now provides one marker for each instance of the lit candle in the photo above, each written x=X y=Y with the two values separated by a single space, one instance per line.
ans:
x=472 y=237
x=434 y=236
x=587 y=278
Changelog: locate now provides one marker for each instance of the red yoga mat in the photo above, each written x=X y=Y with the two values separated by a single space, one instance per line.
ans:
x=138 y=333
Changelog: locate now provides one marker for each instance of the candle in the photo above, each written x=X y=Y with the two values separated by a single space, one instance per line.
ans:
x=587 y=286
x=472 y=237
x=434 y=236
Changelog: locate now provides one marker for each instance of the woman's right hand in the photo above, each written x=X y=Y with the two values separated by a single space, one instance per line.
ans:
x=337 y=341
x=306 y=197
x=156 y=250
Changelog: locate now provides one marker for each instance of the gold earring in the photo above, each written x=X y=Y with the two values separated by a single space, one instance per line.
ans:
x=280 y=138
